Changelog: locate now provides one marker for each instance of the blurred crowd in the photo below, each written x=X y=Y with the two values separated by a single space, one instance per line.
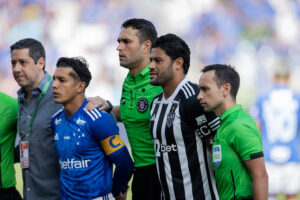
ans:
x=250 y=34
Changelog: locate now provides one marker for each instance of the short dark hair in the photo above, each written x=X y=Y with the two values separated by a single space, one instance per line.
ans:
x=225 y=74
x=36 y=49
x=79 y=65
x=146 y=30
x=174 y=47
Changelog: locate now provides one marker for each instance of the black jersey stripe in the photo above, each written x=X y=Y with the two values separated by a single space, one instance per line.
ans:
x=194 y=167
x=160 y=159
x=213 y=197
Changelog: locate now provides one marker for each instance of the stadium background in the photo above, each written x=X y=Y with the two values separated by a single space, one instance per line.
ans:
x=248 y=34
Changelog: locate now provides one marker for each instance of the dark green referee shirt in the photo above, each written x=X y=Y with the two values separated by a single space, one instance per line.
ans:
x=137 y=95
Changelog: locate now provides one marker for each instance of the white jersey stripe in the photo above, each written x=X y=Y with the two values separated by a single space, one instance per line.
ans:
x=99 y=114
x=187 y=90
x=192 y=89
x=185 y=93
x=216 y=128
x=94 y=114
x=182 y=157
x=91 y=116
x=213 y=121
x=59 y=111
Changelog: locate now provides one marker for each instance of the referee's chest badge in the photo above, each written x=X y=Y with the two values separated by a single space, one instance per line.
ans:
x=142 y=104
x=217 y=155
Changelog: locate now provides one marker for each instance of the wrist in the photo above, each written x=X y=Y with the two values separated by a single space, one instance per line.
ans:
x=110 y=106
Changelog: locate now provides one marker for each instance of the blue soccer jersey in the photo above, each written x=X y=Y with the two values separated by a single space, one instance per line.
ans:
x=278 y=112
x=88 y=143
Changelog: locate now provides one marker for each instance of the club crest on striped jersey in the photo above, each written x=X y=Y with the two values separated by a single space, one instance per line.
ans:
x=142 y=104
x=171 y=117
x=217 y=155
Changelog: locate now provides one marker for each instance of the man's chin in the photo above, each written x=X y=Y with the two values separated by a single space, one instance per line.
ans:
x=154 y=82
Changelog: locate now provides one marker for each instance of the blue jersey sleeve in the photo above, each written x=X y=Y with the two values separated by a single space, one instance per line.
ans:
x=103 y=126
x=106 y=132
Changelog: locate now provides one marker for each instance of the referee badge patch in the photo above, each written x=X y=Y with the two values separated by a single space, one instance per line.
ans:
x=217 y=155
x=142 y=104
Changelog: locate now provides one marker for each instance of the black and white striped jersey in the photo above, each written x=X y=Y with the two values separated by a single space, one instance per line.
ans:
x=182 y=160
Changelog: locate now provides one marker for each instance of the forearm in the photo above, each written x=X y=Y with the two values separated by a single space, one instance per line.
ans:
x=123 y=172
x=116 y=111
x=260 y=187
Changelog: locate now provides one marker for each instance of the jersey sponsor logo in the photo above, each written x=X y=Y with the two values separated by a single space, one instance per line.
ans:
x=57 y=121
x=112 y=144
x=217 y=155
x=74 y=164
x=163 y=148
x=142 y=105
x=123 y=101
x=80 y=121
x=201 y=120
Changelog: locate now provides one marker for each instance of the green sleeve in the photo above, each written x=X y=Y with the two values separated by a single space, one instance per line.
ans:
x=246 y=140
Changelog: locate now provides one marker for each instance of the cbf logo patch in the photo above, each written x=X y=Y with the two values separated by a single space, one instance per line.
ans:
x=142 y=104
x=217 y=155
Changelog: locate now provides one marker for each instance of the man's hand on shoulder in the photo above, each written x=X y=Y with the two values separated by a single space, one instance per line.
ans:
x=97 y=102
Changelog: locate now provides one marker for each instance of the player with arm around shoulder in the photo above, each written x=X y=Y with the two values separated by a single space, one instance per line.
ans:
x=88 y=142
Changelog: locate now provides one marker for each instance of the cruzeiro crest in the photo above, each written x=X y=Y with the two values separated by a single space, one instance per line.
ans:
x=171 y=117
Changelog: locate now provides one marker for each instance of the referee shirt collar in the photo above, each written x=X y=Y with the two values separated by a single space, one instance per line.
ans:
x=139 y=76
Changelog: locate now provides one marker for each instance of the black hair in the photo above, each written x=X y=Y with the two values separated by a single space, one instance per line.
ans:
x=174 y=47
x=36 y=49
x=225 y=74
x=79 y=65
x=146 y=30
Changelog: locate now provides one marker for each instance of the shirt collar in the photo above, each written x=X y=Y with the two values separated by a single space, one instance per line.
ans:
x=22 y=92
x=140 y=75
x=230 y=111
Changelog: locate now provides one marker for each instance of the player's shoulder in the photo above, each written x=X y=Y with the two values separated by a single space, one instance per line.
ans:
x=57 y=113
x=189 y=90
x=93 y=115
x=158 y=98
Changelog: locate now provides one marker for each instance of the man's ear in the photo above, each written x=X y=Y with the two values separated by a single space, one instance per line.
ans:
x=147 y=46
x=226 y=88
x=81 y=86
x=41 y=63
x=178 y=63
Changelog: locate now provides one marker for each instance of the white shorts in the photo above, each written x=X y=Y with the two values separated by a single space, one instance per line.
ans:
x=284 y=178
x=106 y=197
